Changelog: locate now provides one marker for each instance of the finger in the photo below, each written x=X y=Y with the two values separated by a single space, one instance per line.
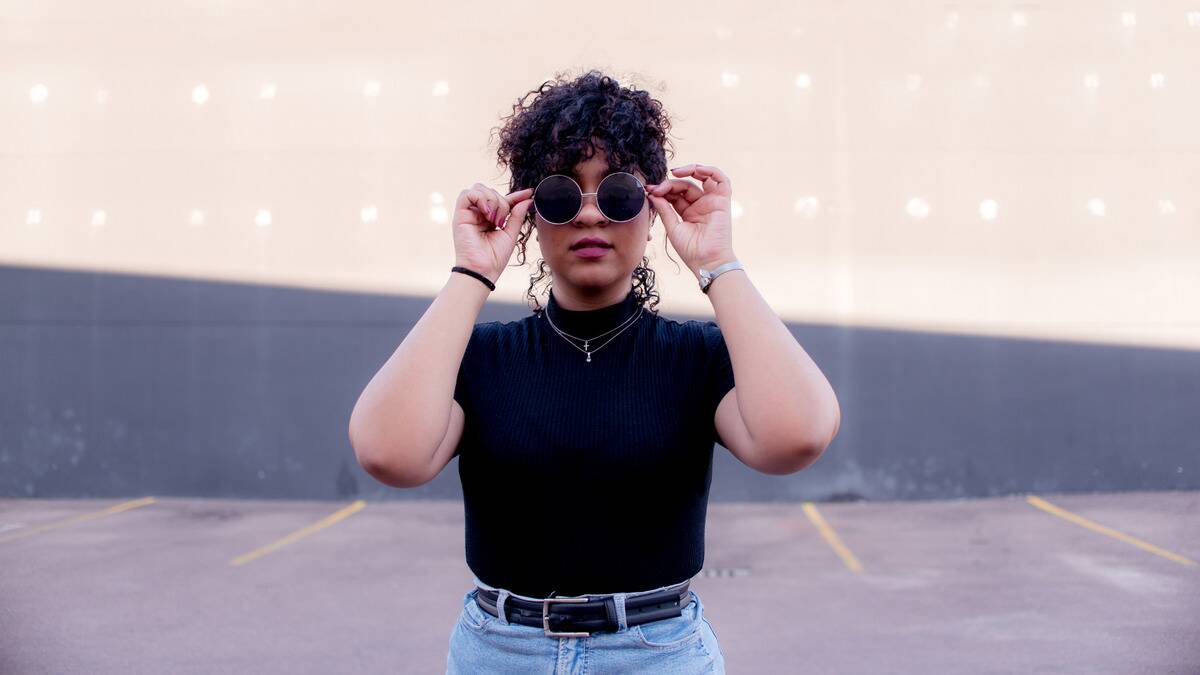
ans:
x=680 y=193
x=666 y=211
x=703 y=172
x=700 y=171
x=514 y=197
x=475 y=201
x=674 y=189
x=487 y=201
x=517 y=214
x=507 y=202
x=516 y=217
x=679 y=202
x=497 y=202
x=717 y=173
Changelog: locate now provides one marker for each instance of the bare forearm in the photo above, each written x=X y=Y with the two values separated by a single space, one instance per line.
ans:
x=784 y=399
x=403 y=413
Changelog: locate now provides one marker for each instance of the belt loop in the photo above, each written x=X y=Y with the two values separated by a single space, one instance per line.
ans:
x=619 y=601
x=500 y=607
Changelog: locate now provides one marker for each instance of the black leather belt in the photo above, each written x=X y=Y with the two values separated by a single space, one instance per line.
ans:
x=586 y=614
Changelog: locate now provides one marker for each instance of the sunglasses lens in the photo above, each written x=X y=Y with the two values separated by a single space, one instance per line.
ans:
x=621 y=197
x=557 y=199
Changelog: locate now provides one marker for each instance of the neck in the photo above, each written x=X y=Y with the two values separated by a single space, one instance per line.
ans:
x=579 y=300
x=592 y=316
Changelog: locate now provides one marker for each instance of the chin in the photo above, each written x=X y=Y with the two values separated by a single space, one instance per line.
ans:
x=583 y=273
x=590 y=277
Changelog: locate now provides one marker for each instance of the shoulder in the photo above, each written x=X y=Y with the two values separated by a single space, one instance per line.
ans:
x=486 y=335
x=489 y=328
x=704 y=329
x=503 y=333
x=697 y=334
x=484 y=330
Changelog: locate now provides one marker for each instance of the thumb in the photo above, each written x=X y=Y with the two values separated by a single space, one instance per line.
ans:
x=666 y=213
x=516 y=216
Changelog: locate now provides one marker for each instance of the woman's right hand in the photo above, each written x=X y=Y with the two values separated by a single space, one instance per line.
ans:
x=486 y=226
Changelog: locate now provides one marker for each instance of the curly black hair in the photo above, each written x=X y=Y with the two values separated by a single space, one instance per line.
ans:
x=561 y=126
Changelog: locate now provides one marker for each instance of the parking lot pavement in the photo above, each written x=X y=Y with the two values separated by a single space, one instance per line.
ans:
x=1075 y=583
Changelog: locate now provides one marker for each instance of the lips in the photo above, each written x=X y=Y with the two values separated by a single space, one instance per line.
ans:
x=591 y=252
x=590 y=242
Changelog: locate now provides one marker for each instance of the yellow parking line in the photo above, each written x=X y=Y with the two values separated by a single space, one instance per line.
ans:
x=830 y=536
x=78 y=519
x=299 y=534
x=1096 y=527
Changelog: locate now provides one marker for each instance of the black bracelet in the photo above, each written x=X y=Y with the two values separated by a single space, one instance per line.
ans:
x=475 y=274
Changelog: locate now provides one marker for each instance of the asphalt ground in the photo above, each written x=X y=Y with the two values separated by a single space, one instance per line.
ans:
x=1075 y=583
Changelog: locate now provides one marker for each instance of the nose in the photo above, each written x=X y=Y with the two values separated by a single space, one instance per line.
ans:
x=589 y=212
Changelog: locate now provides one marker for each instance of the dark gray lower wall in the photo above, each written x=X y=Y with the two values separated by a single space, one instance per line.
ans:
x=123 y=385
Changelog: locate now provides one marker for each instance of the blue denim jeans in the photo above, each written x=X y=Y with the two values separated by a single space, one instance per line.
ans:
x=482 y=643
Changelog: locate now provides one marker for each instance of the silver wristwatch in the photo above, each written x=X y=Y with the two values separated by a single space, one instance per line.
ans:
x=706 y=276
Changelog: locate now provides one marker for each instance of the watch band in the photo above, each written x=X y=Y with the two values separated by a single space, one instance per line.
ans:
x=707 y=276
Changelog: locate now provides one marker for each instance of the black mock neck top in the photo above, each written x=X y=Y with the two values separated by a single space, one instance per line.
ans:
x=587 y=478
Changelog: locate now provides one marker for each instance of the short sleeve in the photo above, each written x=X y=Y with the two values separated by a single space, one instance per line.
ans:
x=719 y=372
x=468 y=368
x=469 y=374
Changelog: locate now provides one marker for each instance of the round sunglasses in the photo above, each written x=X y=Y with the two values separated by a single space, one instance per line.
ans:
x=620 y=197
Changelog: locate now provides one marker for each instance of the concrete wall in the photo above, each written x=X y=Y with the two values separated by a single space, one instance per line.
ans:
x=116 y=385
x=980 y=218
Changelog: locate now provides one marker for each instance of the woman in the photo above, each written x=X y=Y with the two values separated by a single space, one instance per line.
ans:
x=585 y=431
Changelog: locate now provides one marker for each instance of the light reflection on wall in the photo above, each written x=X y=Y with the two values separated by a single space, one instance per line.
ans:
x=1025 y=172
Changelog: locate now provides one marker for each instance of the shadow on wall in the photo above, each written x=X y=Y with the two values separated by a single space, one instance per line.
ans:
x=122 y=385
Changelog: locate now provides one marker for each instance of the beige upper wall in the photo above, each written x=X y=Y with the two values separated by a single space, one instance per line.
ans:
x=911 y=108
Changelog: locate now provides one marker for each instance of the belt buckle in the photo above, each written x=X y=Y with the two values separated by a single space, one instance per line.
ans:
x=546 y=616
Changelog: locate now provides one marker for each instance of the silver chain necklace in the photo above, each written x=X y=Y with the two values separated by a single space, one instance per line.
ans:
x=586 y=341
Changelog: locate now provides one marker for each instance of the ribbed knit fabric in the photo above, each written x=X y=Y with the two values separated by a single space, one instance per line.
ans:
x=587 y=478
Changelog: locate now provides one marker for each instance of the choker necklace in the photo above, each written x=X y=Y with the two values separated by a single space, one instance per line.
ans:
x=586 y=341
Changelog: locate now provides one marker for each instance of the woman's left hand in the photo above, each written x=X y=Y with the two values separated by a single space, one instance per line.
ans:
x=698 y=219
